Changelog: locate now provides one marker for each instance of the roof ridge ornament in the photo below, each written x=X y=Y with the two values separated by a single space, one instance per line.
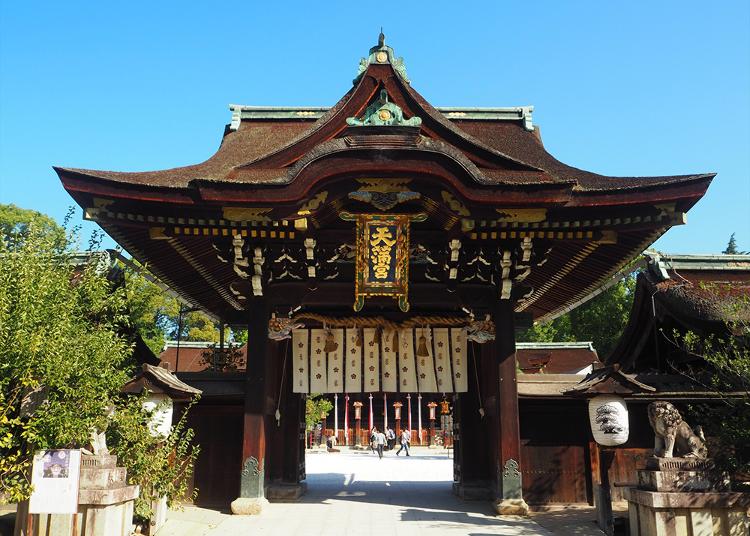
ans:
x=382 y=54
x=383 y=113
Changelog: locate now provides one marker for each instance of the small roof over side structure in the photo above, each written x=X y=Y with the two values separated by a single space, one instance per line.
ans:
x=556 y=357
x=697 y=293
x=159 y=380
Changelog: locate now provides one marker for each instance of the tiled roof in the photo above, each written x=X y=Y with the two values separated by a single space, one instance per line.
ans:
x=556 y=357
x=190 y=353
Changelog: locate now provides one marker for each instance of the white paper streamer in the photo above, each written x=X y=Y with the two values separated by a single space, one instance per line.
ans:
x=425 y=364
x=299 y=361
x=336 y=363
x=353 y=366
x=407 y=369
x=389 y=361
x=371 y=361
x=318 y=372
x=441 y=345
x=459 y=356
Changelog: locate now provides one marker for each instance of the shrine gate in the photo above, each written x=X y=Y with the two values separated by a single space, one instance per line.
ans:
x=394 y=247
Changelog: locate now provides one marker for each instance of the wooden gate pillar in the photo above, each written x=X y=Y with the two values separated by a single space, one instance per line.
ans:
x=256 y=415
x=285 y=466
x=473 y=462
x=508 y=455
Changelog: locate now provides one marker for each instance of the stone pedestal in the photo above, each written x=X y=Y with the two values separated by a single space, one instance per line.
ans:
x=105 y=504
x=159 y=515
x=246 y=506
x=682 y=496
x=285 y=491
x=511 y=507
x=105 y=501
x=473 y=490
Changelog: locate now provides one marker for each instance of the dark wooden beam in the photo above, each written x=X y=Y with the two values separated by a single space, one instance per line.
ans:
x=508 y=453
x=256 y=392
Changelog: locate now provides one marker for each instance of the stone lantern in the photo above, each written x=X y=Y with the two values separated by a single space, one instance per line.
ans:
x=431 y=440
x=357 y=423
x=162 y=389
x=397 y=410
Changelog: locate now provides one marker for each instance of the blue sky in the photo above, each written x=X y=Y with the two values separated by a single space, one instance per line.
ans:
x=620 y=88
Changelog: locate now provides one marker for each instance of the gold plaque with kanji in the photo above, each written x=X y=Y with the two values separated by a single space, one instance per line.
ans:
x=382 y=258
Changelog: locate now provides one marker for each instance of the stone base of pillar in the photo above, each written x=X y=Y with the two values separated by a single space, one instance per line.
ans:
x=246 y=506
x=285 y=491
x=473 y=491
x=511 y=507
x=159 y=515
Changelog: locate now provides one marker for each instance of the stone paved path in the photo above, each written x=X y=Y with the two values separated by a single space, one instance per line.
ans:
x=354 y=493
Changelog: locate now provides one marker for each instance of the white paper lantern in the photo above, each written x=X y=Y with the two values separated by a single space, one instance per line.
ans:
x=161 y=420
x=608 y=415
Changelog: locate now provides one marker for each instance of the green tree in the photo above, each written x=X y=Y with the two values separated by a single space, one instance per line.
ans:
x=60 y=342
x=731 y=248
x=156 y=314
x=198 y=326
x=601 y=320
x=315 y=406
x=556 y=330
x=239 y=336
x=152 y=311
x=160 y=466
x=725 y=370
x=16 y=222
x=64 y=359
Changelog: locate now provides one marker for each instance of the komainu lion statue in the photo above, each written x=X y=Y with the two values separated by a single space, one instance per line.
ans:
x=674 y=438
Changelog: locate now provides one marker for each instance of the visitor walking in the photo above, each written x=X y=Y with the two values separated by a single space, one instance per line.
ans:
x=380 y=443
x=390 y=436
x=373 y=433
x=405 y=440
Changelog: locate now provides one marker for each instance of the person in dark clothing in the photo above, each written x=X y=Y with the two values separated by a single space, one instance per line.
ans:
x=390 y=437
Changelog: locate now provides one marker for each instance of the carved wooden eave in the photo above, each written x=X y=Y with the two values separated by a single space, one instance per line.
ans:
x=609 y=380
x=263 y=211
x=159 y=380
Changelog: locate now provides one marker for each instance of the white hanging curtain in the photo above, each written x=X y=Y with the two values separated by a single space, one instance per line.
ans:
x=336 y=362
x=389 y=361
x=353 y=366
x=318 y=367
x=301 y=355
x=407 y=368
x=459 y=356
x=371 y=349
x=425 y=361
x=441 y=343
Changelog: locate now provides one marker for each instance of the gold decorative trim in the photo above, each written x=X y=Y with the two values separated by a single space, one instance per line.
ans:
x=521 y=215
x=384 y=185
x=100 y=202
x=216 y=231
x=549 y=235
x=246 y=214
x=157 y=233
x=313 y=204
x=454 y=204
